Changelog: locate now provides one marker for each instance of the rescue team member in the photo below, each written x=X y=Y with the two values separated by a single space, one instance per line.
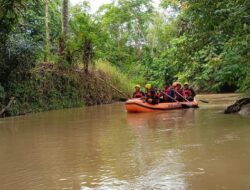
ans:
x=178 y=91
x=175 y=91
x=168 y=89
x=174 y=85
x=153 y=97
x=148 y=88
x=188 y=92
x=138 y=93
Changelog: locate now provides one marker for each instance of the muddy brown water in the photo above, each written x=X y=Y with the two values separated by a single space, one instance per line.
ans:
x=103 y=147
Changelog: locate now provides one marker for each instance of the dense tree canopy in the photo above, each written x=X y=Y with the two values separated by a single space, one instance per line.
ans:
x=203 y=42
x=214 y=50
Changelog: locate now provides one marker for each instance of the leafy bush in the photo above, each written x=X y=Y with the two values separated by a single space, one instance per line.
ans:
x=17 y=57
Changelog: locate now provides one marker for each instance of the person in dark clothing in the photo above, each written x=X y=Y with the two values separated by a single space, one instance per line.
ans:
x=167 y=93
x=153 y=97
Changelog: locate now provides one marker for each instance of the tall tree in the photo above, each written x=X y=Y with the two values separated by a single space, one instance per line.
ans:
x=65 y=26
x=47 y=38
x=126 y=23
x=85 y=34
x=65 y=18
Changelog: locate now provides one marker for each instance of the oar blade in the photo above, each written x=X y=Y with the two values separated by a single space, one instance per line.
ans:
x=204 y=101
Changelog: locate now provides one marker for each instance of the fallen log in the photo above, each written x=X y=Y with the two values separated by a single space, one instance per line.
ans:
x=237 y=106
x=12 y=100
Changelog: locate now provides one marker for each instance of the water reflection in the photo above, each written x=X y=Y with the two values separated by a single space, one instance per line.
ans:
x=172 y=119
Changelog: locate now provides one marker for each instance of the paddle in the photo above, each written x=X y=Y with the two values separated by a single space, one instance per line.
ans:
x=122 y=99
x=183 y=105
x=169 y=96
x=181 y=96
x=204 y=101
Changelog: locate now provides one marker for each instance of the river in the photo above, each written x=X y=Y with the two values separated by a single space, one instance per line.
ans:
x=103 y=147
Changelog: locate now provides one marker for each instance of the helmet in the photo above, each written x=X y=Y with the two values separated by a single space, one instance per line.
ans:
x=148 y=86
x=186 y=83
x=178 y=83
x=137 y=86
x=175 y=84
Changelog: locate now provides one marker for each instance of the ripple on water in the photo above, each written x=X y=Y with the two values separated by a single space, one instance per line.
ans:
x=227 y=138
x=165 y=173
x=192 y=145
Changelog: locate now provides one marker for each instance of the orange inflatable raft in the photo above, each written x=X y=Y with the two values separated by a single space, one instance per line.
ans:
x=137 y=105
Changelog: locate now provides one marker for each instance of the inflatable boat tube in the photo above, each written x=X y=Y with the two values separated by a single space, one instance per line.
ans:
x=137 y=105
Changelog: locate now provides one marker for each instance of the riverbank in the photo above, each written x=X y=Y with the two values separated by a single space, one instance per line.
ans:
x=49 y=87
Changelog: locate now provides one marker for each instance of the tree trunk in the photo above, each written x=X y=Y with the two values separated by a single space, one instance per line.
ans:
x=65 y=26
x=47 y=44
x=87 y=54
x=12 y=100
x=65 y=18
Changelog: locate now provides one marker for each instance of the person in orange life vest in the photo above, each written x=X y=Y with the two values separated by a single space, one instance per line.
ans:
x=168 y=89
x=138 y=93
x=178 y=92
x=153 y=97
x=188 y=92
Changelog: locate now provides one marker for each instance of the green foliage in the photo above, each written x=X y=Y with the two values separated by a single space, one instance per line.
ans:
x=17 y=57
x=83 y=29
x=115 y=77
x=9 y=11
x=20 y=38
x=212 y=46
x=125 y=27
x=45 y=91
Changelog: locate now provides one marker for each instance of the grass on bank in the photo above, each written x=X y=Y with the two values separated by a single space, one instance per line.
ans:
x=49 y=87
x=115 y=77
